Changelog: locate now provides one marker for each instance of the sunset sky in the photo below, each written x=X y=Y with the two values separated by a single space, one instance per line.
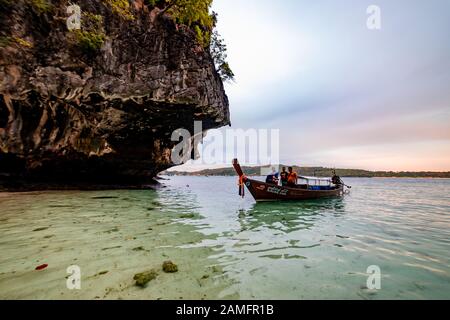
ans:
x=343 y=95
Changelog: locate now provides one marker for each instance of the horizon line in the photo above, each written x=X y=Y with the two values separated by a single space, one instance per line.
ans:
x=312 y=166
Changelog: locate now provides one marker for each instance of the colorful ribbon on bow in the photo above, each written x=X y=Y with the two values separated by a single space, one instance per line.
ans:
x=241 y=186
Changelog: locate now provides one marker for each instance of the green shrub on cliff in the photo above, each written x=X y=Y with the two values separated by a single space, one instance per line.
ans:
x=23 y=42
x=95 y=18
x=5 y=41
x=121 y=7
x=91 y=38
x=41 y=6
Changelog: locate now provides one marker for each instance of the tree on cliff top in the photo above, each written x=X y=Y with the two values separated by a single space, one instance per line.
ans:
x=218 y=51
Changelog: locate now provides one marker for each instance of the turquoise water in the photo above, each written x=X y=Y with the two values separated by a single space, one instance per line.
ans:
x=227 y=247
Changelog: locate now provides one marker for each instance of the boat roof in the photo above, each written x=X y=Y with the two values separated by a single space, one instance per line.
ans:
x=314 y=178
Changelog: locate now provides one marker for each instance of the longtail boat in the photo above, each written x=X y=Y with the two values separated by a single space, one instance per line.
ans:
x=312 y=188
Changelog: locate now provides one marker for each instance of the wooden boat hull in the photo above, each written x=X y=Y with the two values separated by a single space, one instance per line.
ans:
x=267 y=192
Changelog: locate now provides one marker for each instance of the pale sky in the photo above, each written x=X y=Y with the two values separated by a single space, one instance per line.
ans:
x=340 y=94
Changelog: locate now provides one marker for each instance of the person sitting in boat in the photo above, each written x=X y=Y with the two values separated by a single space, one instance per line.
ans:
x=292 y=178
x=336 y=179
x=273 y=177
x=284 y=177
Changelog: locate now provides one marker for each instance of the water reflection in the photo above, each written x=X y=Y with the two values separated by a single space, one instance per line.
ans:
x=289 y=216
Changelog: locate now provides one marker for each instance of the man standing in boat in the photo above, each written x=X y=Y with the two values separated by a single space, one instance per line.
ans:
x=284 y=177
x=292 y=178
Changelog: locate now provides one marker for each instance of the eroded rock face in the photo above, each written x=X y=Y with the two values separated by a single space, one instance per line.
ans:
x=71 y=117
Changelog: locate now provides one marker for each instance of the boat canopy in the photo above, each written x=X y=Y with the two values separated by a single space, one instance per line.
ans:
x=316 y=180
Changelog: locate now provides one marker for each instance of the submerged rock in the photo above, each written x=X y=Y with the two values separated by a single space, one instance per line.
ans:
x=104 y=117
x=169 y=267
x=187 y=216
x=40 y=229
x=101 y=273
x=145 y=277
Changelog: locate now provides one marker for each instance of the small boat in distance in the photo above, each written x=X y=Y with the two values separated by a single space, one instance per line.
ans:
x=312 y=188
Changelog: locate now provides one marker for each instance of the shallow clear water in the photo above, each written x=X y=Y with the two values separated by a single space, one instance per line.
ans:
x=226 y=247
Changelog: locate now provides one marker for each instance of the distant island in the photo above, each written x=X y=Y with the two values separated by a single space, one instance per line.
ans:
x=315 y=171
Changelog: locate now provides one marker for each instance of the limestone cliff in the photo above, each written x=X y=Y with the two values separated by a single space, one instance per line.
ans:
x=75 y=115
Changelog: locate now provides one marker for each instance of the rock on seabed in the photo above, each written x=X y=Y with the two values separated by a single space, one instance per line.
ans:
x=169 y=267
x=145 y=277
